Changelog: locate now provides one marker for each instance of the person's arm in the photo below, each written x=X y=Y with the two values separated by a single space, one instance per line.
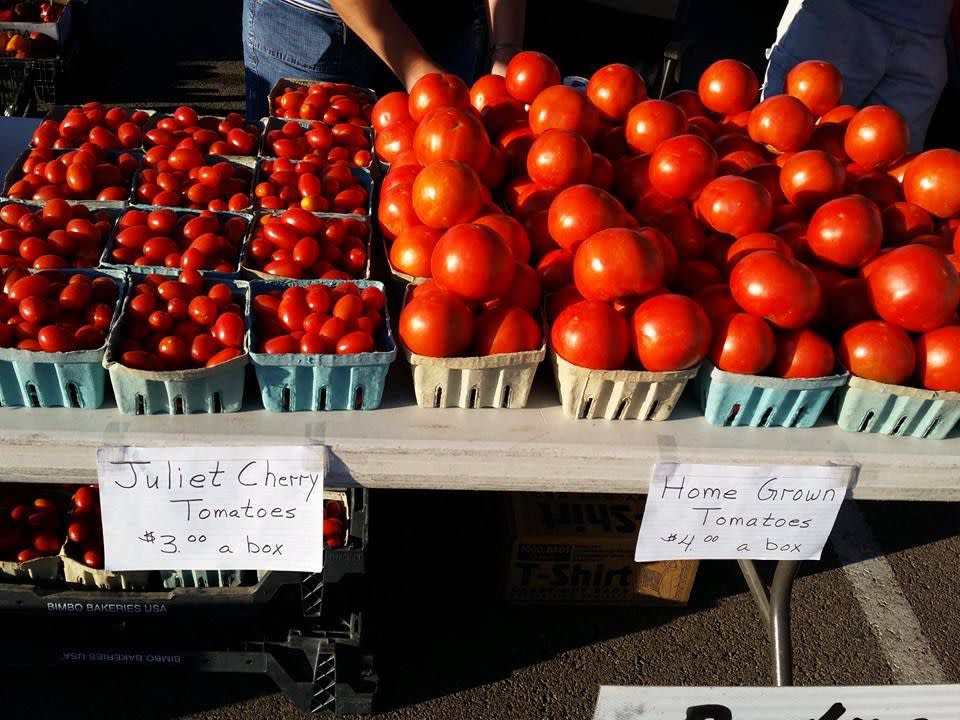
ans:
x=377 y=23
x=506 y=31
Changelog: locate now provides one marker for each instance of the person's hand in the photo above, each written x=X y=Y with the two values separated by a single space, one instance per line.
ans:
x=501 y=58
x=417 y=69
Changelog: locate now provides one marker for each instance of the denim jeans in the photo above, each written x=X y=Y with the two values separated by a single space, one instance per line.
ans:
x=283 y=40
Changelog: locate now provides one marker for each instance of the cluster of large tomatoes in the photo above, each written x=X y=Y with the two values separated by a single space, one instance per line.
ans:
x=58 y=235
x=179 y=324
x=319 y=320
x=773 y=237
x=88 y=173
x=55 y=312
x=300 y=245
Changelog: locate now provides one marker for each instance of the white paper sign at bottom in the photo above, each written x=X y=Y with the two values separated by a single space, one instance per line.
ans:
x=897 y=702
x=212 y=508
x=749 y=512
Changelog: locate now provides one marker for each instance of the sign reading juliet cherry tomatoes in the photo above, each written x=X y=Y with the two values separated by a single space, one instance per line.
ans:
x=218 y=508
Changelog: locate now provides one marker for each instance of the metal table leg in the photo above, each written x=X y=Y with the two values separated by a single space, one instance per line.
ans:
x=774 y=607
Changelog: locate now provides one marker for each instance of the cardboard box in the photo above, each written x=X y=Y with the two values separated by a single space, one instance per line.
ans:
x=577 y=549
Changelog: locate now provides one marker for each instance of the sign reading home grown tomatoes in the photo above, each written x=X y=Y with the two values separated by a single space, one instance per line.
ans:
x=741 y=512
x=212 y=508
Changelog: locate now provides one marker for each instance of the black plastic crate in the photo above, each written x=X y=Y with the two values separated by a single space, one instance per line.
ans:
x=13 y=86
x=322 y=668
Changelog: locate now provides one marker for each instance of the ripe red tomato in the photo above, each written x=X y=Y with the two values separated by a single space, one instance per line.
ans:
x=742 y=343
x=670 y=332
x=735 y=206
x=614 y=89
x=617 y=263
x=915 y=287
x=436 y=90
x=449 y=133
x=529 y=73
x=753 y=242
x=938 y=359
x=436 y=324
x=563 y=108
x=447 y=193
x=512 y=232
x=810 y=178
x=506 y=329
x=803 y=354
x=876 y=137
x=473 y=262
x=591 y=334
x=388 y=109
x=903 y=221
x=559 y=159
x=579 y=211
x=489 y=90
x=782 y=122
x=877 y=350
x=817 y=84
x=555 y=269
x=778 y=288
x=846 y=232
x=682 y=165
x=932 y=181
x=395 y=139
x=412 y=249
x=651 y=122
x=840 y=115
x=728 y=87
x=527 y=290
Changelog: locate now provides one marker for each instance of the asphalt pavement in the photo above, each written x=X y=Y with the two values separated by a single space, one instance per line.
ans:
x=882 y=607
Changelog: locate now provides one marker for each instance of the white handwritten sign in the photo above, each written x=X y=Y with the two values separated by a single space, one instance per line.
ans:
x=719 y=512
x=212 y=508
x=897 y=702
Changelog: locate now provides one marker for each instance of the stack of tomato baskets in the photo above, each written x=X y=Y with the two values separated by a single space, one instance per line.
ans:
x=168 y=253
x=781 y=253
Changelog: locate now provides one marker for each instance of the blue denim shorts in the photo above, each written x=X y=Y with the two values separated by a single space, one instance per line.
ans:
x=283 y=40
